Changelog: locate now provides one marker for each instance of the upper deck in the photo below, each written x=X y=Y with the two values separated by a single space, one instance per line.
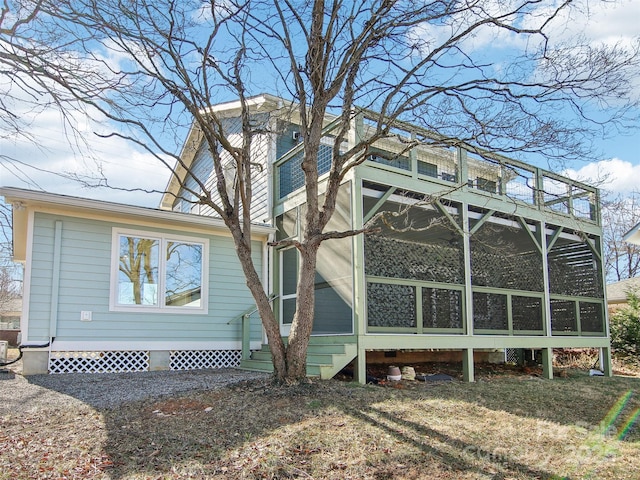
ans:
x=413 y=158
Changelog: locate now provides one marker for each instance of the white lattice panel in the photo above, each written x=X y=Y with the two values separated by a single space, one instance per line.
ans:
x=99 y=362
x=196 y=359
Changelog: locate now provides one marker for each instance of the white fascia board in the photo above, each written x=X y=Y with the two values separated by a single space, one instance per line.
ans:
x=256 y=103
x=633 y=235
x=42 y=201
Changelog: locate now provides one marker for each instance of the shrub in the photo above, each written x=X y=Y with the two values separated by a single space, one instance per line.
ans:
x=625 y=326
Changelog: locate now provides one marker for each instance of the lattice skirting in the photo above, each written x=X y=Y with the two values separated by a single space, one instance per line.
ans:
x=99 y=362
x=196 y=359
x=139 y=361
x=511 y=355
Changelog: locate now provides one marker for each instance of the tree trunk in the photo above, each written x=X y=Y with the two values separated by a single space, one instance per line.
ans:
x=269 y=321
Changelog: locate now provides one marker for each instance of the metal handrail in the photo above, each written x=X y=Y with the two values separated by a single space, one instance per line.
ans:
x=251 y=310
x=246 y=325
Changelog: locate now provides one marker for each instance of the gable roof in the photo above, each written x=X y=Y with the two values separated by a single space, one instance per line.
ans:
x=633 y=235
x=263 y=101
x=617 y=292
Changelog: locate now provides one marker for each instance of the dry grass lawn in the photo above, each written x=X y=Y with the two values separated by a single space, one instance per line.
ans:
x=501 y=427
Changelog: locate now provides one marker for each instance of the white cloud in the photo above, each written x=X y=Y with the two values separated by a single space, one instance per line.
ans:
x=428 y=35
x=51 y=144
x=599 y=22
x=616 y=175
x=79 y=151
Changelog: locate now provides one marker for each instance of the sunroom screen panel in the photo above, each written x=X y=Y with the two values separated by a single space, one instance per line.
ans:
x=441 y=308
x=391 y=305
x=490 y=311
x=505 y=256
x=574 y=270
x=591 y=317
x=526 y=313
x=563 y=316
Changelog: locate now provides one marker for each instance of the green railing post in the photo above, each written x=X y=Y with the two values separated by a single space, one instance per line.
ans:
x=245 y=329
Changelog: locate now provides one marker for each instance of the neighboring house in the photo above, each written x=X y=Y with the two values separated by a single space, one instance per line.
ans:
x=617 y=292
x=10 y=321
x=633 y=235
x=503 y=256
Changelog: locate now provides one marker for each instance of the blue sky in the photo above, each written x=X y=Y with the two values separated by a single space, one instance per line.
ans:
x=126 y=165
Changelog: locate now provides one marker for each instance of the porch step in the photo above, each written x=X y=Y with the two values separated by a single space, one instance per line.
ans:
x=323 y=360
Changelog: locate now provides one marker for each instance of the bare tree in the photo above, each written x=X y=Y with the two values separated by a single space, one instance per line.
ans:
x=10 y=273
x=9 y=286
x=619 y=215
x=156 y=67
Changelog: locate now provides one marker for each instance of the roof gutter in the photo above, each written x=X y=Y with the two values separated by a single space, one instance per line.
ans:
x=34 y=199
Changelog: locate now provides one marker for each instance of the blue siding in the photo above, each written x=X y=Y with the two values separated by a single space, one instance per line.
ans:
x=85 y=285
x=202 y=169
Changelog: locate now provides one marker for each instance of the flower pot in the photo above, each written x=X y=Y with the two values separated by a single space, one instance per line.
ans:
x=394 y=374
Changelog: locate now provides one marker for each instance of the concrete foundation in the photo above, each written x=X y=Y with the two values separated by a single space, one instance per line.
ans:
x=159 y=360
x=35 y=362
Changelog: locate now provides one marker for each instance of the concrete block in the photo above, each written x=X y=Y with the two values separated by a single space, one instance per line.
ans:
x=159 y=360
x=35 y=362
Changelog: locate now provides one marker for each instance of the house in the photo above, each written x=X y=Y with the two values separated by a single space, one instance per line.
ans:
x=633 y=235
x=10 y=321
x=111 y=287
x=617 y=292
x=500 y=255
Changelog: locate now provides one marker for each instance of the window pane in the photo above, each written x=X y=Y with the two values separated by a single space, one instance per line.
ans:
x=138 y=271
x=288 y=310
x=289 y=271
x=183 y=282
x=425 y=168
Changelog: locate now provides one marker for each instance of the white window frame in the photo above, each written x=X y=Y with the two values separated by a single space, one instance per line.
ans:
x=289 y=296
x=163 y=239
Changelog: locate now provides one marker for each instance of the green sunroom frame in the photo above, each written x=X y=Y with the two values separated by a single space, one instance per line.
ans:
x=535 y=210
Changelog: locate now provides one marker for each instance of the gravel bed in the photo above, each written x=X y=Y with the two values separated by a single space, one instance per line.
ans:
x=110 y=390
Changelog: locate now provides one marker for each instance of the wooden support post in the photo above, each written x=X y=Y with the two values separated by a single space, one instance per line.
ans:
x=360 y=372
x=547 y=363
x=605 y=361
x=467 y=365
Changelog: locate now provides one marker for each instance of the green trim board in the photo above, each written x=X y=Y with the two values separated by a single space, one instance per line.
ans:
x=445 y=212
x=525 y=227
x=487 y=215
x=369 y=215
x=457 y=342
x=462 y=194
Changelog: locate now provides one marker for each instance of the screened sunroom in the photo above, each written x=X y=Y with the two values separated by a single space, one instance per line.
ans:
x=476 y=251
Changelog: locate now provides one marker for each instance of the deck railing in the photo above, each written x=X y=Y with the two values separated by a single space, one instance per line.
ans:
x=418 y=153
